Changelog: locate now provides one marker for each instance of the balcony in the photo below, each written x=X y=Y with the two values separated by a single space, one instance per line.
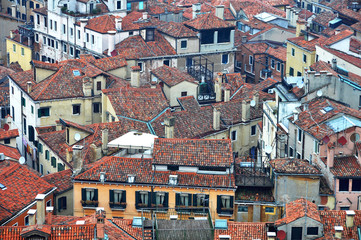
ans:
x=225 y=211
x=117 y=205
x=89 y=203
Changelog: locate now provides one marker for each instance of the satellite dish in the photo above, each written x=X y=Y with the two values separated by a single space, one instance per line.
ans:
x=22 y=160
x=253 y=103
x=319 y=93
x=77 y=136
x=268 y=149
x=6 y=127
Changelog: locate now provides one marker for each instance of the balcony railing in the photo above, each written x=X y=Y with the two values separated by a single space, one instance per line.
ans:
x=89 y=203
x=117 y=205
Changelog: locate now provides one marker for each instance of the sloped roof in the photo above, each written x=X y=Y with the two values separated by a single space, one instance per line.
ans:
x=294 y=166
x=10 y=152
x=102 y=24
x=193 y=152
x=324 y=18
x=252 y=8
x=172 y=76
x=243 y=231
x=13 y=133
x=62 y=180
x=347 y=166
x=208 y=21
x=176 y=30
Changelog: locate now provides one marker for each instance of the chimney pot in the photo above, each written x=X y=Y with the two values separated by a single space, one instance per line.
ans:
x=216 y=118
x=111 y=42
x=77 y=158
x=220 y=11
x=245 y=111
x=135 y=76
x=40 y=208
x=31 y=213
x=169 y=123
x=338 y=232
x=350 y=216
x=105 y=139
x=29 y=86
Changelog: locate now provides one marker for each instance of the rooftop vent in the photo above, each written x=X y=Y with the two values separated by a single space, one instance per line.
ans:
x=173 y=179
x=221 y=224
x=102 y=177
x=137 y=222
x=2 y=157
x=76 y=73
x=131 y=178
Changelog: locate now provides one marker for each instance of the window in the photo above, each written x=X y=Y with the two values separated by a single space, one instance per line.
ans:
x=31 y=4
x=207 y=37
x=242 y=208
x=298 y=155
x=24 y=126
x=55 y=26
x=293 y=51
x=299 y=74
x=64 y=48
x=62 y=204
x=234 y=135
x=7 y=141
x=41 y=169
x=345 y=208
x=99 y=86
x=141 y=5
x=78 y=34
x=140 y=64
x=26 y=220
x=356 y=185
x=149 y=35
x=40 y=148
x=343 y=184
x=224 y=58
x=292 y=71
x=304 y=58
x=129 y=6
x=200 y=200
x=14 y=48
x=37 y=19
x=56 y=45
x=47 y=154
x=37 y=5
x=87 y=37
x=291 y=152
x=93 y=39
x=23 y=102
x=45 y=22
x=22 y=51
x=299 y=135
x=224 y=35
x=166 y=62
x=119 y=5
x=71 y=51
x=269 y=210
x=48 y=203
x=160 y=199
x=36 y=37
x=13 y=113
x=183 y=44
x=96 y=107
x=117 y=199
x=278 y=66
x=189 y=62
x=183 y=199
x=61 y=167
x=89 y=197
x=142 y=199
x=272 y=63
x=64 y=29
x=183 y=94
x=131 y=33
x=53 y=162
x=316 y=146
x=23 y=3
x=51 y=24
x=31 y=133
x=224 y=204
x=253 y=130
x=76 y=109
x=44 y=112
x=250 y=60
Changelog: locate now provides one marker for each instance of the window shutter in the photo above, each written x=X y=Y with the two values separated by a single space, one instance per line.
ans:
x=39 y=113
x=195 y=200
x=64 y=203
x=166 y=200
x=111 y=195
x=60 y=205
x=137 y=198
x=95 y=195
x=219 y=204
x=231 y=202
x=150 y=198
x=206 y=200
x=124 y=196
x=83 y=194
x=189 y=199
x=177 y=199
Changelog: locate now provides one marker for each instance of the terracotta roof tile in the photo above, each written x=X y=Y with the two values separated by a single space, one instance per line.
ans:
x=346 y=167
x=243 y=231
x=172 y=76
x=355 y=45
x=22 y=186
x=176 y=30
x=43 y=10
x=294 y=166
x=356 y=26
x=347 y=57
x=254 y=7
x=189 y=103
x=61 y=180
x=126 y=225
x=10 y=152
x=255 y=194
x=137 y=103
x=192 y=152
x=8 y=134
x=324 y=18
x=298 y=209
x=155 y=8
x=207 y=7
x=208 y=21
x=102 y=24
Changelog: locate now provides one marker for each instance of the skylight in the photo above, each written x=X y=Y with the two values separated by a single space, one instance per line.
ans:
x=137 y=222
x=328 y=109
x=76 y=73
x=221 y=224
x=2 y=187
x=343 y=122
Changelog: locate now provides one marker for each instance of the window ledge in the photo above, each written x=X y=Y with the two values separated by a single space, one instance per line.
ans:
x=90 y=207
x=118 y=209
x=225 y=215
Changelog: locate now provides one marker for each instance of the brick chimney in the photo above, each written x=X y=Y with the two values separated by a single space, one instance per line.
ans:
x=49 y=215
x=135 y=76
x=169 y=123
x=77 y=158
x=300 y=26
x=338 y=232
x=29 y=86
x=245 y=111
x=216 y=118
x=32 y=216
x=350 y=216
x=105 y=133
x=111 y=42
x=40 y=209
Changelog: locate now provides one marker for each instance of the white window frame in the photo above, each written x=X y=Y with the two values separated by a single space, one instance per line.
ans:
x=235 y=138
x=299 y=135
x=250 y=60
x=255 y=132
x=184 y=40
x=316 y=146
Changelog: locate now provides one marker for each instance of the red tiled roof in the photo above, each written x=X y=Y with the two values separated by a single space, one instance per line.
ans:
x=126 y=225
x=134 y=21
x=43 y=10
x=355 y=45
x=298 y=209
x=83 y=128
x=324 y=18
x=137 y=103
x=135 y=47
x=356 y=26
x=155 y=8
x=277 y=3
x=10 y=152
x=207 y=7
x=172 y=76
x=102 y=24
x=61 y=180
x=176 y=30
x=346 y=167
x=293 y=166
x=243 y=231
x=117 y=170
x=341 y=6
x=305 y=14
x=254 y=7
x=22 y=186
x=338 y=37
x=208 y=21
x=189 y=103
x=308 y=45
x=8 y=134
x=192 y=152
x=234 y=81
x=347 y=57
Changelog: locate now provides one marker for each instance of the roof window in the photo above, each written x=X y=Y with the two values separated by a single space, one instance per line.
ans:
x=76 y=73
x=221 y=224
x=2 y=187
x=173 y=179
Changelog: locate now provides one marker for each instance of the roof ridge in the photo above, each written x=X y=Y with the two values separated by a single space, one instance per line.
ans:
x=51 y=79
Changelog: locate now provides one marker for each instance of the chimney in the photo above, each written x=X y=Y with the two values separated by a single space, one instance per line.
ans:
x=32 y=217
x=244 y=39
x=216 y=118
x=338 y=232
x=330 y=156
x=295 y=115
x=118 y=23
x=29 y=85
x=40 y=209
x=100 y=217
x=219 y=77
x=218 y=91
x=105 y=141
x=69 y=154
x=300 y=26
x=12 y=35
x=135 y=76
x=334 y=64
x=350 y=216
x=256 y=99
x=49 y=215
x=227 y=95
x=220 y=11
x=77 y=158
x=111 y=42
x=145 y=15
x=169 y=123
x=245 y=111
x=196 y=9
x=87 y=86
x=271 y=236
x=337 y=31
x=83 y=23
x=58 y=126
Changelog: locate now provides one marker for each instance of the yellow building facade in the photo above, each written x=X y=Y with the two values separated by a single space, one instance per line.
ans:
x=298 y=58
x=19 y=52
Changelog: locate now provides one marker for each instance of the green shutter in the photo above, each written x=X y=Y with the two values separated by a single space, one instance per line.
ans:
x=53 y=161
x=154 y=198
x=124 y=196
x=194 y=200
x=231 y=202
x=137 y=199
x=40 y=148
x=177 y=199
x=95 y=195
x=219 y=204
x=111 y=195
x=83 y=194
x=207 y=200
x=39 y=113
x=166 y=197
x=150 y=198
x=189 y=200
x=47 y=154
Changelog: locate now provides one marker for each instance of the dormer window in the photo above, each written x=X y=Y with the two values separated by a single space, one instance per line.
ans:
x=131 y=178
x=149 y=34
x=173 y=179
